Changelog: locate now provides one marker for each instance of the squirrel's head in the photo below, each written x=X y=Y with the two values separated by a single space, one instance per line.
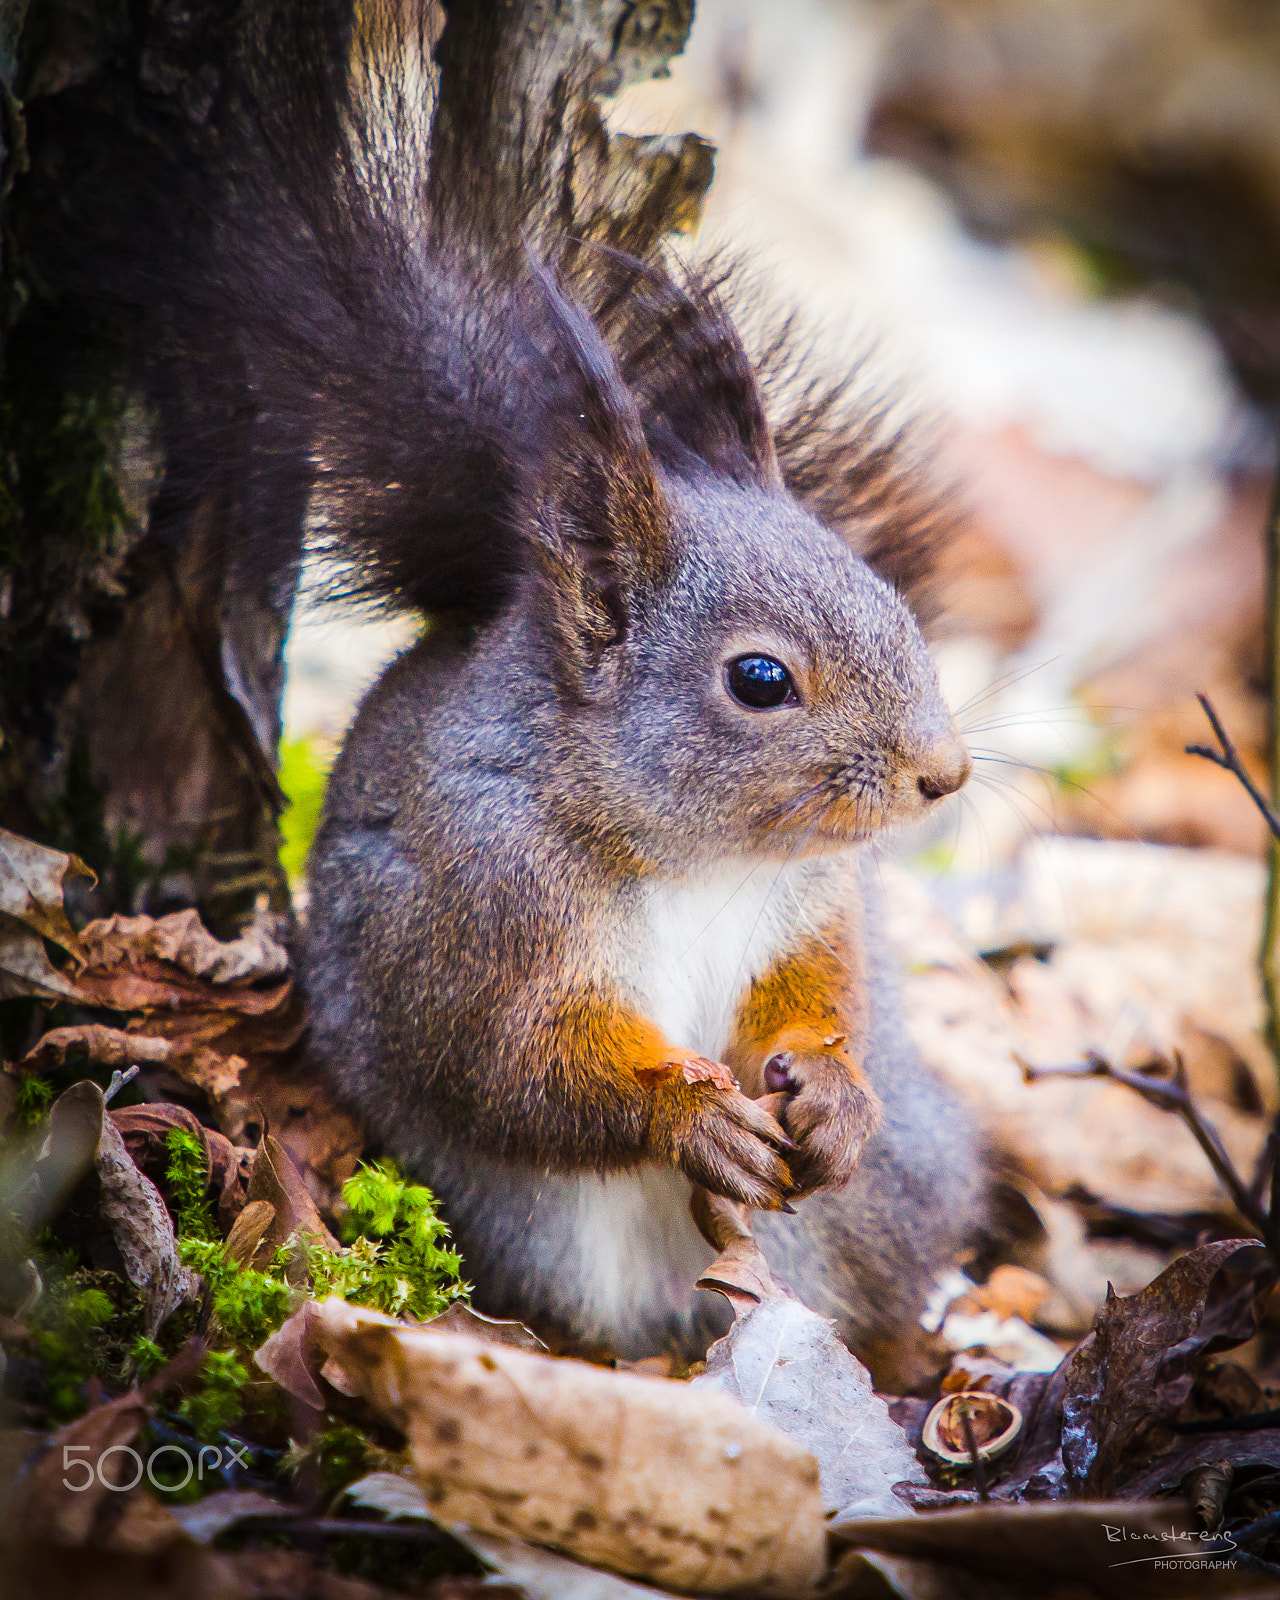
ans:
x=741 y=679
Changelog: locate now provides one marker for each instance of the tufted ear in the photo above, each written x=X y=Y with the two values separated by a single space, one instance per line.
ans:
x=600 y=524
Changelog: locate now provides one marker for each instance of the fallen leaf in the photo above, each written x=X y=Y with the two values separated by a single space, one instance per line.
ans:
x=788 y=1367
x=391 y=1493
x=145 y=1130
x=141 y=1225
x=180 y=938
x=33 y=881
x=26 y=969
x=46 y=1510
x=544 y=1575
x=202 y=1068
x=460 y=1318
x=1131 y=1375
x=127 y=1203
x=292 y=1355
x=324 y=1138
x=275 y=1179
x=206 y=1519
x=642 y=1476
x=1103 y=1548
x=248 y=1230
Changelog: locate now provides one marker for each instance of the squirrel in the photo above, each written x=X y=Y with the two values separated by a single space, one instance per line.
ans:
x=593 y=919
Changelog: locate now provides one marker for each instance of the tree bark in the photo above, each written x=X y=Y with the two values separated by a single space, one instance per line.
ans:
x=142 y=630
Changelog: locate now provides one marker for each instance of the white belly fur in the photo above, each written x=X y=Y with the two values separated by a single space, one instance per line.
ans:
x=694 y=947
x=621 y=1253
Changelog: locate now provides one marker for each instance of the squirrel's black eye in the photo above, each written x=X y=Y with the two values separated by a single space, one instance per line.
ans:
x=761 y=683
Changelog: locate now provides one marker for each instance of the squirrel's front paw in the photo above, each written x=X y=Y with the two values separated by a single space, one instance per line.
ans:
x=725 y=1142
x=827 y=1108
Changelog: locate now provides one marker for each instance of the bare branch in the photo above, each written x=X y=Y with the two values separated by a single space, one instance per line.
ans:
x=1228 y=758
x=1170 y=1093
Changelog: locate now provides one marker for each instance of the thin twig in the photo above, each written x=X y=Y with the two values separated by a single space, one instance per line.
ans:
x=975 y=1455
x=118 y=1081
x=1170 y=1093
x=1228 y=758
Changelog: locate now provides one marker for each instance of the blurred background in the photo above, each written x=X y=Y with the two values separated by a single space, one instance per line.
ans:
x=1053 y=227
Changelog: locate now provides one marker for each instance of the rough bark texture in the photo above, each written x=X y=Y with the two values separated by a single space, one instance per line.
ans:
x=142 y=628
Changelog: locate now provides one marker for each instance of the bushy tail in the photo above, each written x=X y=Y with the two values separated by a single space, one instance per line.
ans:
x=342 y=263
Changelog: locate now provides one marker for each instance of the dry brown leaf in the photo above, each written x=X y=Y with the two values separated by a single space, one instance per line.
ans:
x=741 y=1273
x=645 y=1477
x=323 y=1137
x=275 y=1179
x=145 y=1130
x=292 y=1355
x=216 y=1074
x=1062 y=1547
x=1132 y=1374
x=26 y=969
x=32 y=883
x=215 y=1513
x=460 y=1318
x=140 y=1224
x=182 y=939
x=43 y=1510
x=544 y=1575
x=248 y=1230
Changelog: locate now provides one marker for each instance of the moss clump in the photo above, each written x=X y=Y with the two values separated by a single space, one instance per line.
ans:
x=218 y=1404
x=394 y=1260
x=34 y=1097
x=187 y=1175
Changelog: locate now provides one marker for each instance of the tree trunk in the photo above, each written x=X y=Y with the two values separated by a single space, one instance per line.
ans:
x=142 y=628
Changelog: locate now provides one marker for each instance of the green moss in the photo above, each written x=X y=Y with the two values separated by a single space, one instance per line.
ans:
x=304 y=775
x=33 y=1100
x=186 y=1174
x=395 y=1259
x=217 y=1405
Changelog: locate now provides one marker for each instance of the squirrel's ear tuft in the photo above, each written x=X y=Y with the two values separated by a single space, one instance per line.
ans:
x=599 y=523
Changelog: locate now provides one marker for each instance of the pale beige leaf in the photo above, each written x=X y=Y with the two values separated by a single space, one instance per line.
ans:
x=648 y=1478
x=789 y=1368
x=32 y=880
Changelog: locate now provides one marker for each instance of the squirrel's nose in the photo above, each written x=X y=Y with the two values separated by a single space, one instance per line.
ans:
x=945 y=769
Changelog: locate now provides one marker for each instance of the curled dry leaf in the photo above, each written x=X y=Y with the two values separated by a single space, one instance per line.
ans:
x=460 y=1318
x=32 y=882
x=649 y=1478
x=81 y=1138
x=248 y=1230
x=1131 y=1375
x=140 y=1224
x=197 y=1065
x=145 y=1130
x=182 y=940
x=323 y=1137
x=275 y=1179
x=293 y=1354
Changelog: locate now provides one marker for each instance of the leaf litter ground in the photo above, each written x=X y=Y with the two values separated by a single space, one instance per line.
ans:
x=196 y=1266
